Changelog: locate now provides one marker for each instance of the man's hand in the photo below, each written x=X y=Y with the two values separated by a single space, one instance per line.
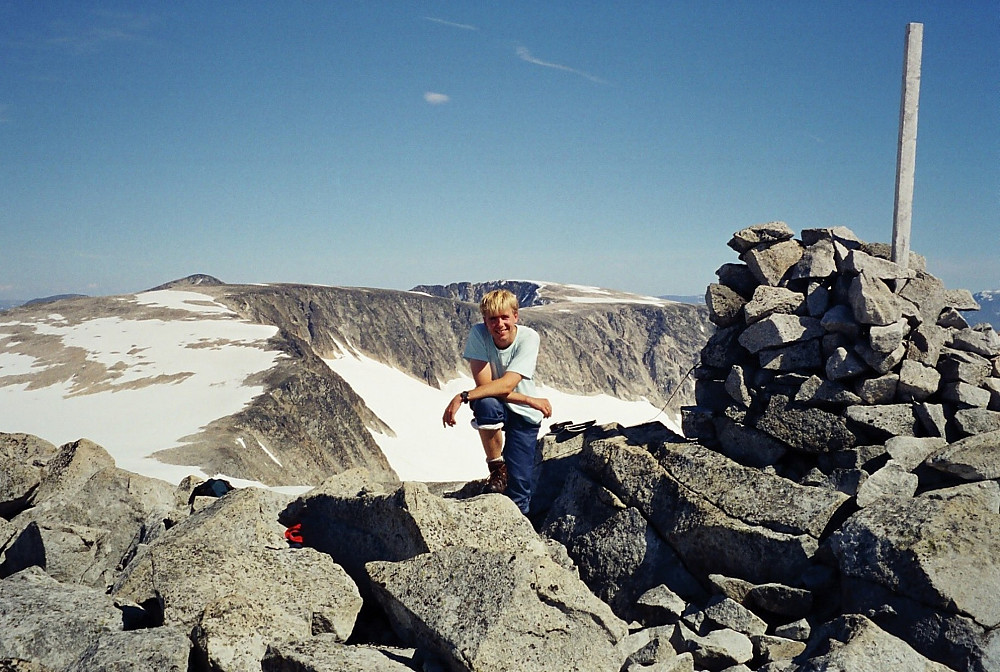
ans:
x=540 y=404
x=448 y=420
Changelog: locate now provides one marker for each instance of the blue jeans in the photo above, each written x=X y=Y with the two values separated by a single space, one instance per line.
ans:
x=520 y=447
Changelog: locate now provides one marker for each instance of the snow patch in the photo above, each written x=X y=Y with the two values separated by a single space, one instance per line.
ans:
x=423 y=449
x=194 y=302
x=213 y=357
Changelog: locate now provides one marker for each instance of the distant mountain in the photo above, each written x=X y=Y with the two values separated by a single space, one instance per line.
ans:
x=195 y=280
x=532 y=293
x=989 y=311
x=53 y=299
x=6 y=304
x=287 y=384
x=694 y=299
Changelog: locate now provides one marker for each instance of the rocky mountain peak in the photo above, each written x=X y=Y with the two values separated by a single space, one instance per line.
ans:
x=194 y=280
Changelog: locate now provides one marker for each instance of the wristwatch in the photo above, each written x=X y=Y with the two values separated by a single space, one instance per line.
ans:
x=465 y=397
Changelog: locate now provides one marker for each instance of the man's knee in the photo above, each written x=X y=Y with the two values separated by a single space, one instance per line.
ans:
x=488 y=412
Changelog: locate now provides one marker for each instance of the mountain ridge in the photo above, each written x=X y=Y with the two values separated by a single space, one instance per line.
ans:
x=301 y=421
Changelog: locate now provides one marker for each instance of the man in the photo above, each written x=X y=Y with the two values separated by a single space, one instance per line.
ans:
x=502 y=356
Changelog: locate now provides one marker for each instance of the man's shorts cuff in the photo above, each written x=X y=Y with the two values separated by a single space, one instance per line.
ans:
x=476 y=425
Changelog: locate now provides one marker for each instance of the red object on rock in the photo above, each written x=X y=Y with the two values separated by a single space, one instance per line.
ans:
x=294 y=534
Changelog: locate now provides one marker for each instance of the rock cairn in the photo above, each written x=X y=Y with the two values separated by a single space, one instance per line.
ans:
x=826 y=349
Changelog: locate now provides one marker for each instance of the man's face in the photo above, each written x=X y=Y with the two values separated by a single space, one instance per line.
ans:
x=502 y=327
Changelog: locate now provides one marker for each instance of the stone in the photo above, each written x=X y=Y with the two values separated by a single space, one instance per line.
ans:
x=770 y=232
x=738 y=278
x=326 y=652
x=977 y=421
x=847 y=643
x=983 y=494
x=974 y=458
x=722 y=348
x=723 y=612
x=932 y=419
x=233 y=553
x=622 y=558
x=771 y=263
x=927 y=293
x=938 y=552
x=88 y=515
x=498 y=610
x=22 y=461
x=840 y=320
x=725 y=518
x=888 y=338
x=777 y=599
x=952 y=319
x=747 y=445
x=880 y=362
x=840 y=234
x=357 y=518
x=965 y=395
x=715 y=650
x=779 y=329
x=817 y=300
x=818 y=261
x=961 y=299
x=858 y=262
x=968 y=367
x=872 y=302
x=660 y=605
x=883 y=421
x=884 y=251
x=892 y=481
x=925 y=344
x=916 y=381
x=51 y=623
x=725 y=306
x=978 y=342
x=736 y=386
x=842 y=365
x=769 y=648
x=733 y=588
x=768 y=300
x=909 y=452
x=993 y=385
x=656 y=652
x=165 y=648
x=798 y=630
x=803 y=428
x=881 y=390
x=802 y=356
x=819 y=392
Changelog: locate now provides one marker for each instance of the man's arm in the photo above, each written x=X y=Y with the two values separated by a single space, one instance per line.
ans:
x=502 y=388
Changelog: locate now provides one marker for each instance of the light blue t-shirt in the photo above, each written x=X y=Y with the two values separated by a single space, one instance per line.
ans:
x=519 y=357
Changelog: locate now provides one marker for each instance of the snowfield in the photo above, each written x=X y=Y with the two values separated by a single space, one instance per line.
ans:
x=137 y=386
x=423 y=449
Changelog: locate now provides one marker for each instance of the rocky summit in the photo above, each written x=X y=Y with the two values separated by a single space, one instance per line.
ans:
x=834 y=506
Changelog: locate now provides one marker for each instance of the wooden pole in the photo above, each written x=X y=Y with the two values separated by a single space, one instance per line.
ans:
x=907 y=149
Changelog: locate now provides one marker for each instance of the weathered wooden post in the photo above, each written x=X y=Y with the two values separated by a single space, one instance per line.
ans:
x=906 y=153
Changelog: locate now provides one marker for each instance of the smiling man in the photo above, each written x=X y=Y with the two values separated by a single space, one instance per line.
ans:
x=502 y=356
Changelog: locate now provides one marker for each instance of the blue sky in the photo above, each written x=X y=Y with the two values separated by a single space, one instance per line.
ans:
x=390 y=144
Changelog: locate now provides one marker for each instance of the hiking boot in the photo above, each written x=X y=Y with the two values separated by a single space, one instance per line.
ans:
x=497 y=482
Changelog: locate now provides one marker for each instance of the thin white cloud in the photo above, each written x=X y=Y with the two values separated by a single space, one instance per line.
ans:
x=436 y=98
x=105 y=29
x=525 y=55
x=463 y=26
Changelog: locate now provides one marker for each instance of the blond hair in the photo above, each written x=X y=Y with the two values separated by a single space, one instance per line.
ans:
x=498 y=301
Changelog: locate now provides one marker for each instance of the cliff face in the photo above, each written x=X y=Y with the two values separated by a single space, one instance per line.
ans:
x=627 y=350
x=300 y=421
